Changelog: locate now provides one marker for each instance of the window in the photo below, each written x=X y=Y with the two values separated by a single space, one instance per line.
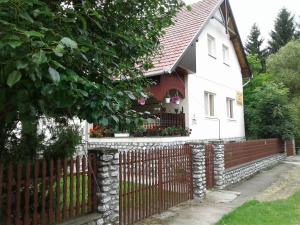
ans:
x=229 y=102
x=211 y=44
x=209 y=102
x=225 y=55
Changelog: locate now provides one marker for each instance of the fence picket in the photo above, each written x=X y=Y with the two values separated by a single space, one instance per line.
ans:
x=57 y=204
x=36 y=192
x=83 y=185
x=51 y=168
x=77 y=186
x=71 y=208
x=44 y=192
x=65 y=183
x=18 y=193
x=1 y=184
x=27 y=195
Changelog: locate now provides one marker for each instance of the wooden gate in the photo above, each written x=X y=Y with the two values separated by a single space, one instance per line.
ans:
x=209 y=166
x=154 y=180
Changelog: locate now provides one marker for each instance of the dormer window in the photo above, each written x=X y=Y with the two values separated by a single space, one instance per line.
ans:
x=211 y=44
x=225 y=50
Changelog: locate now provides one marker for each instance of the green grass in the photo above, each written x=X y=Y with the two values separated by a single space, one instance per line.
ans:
x=280 y=212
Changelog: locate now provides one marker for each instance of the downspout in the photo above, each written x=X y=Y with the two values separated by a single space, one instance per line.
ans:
x=244 y=85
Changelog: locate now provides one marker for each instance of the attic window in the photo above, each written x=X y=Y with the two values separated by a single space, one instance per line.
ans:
x=225 y=54
x=211 y=44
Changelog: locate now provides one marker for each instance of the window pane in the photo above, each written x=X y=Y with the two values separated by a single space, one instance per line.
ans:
x=206 y=103
x=211 y=45
x=211 y=105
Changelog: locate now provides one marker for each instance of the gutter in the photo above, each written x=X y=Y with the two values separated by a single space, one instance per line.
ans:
x=156 y=73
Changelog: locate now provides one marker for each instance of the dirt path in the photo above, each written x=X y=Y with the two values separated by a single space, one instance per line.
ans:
x=285 y=185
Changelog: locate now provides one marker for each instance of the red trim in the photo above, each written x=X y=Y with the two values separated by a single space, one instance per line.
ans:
x=167 y=83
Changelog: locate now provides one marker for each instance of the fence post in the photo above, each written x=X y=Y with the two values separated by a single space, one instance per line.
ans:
x=108 y=182
x=289 y=147
x=199 y=180
x=219 y=163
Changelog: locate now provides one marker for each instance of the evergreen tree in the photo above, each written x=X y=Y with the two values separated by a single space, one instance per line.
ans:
x=254 y=46
x=284 y=30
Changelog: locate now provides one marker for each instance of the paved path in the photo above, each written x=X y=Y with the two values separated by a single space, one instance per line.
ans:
x=279 y=182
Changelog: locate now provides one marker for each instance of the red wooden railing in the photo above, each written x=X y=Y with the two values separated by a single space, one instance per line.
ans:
x=42 y=192
x=237 y=153
x=165 y=120
x=153 y=180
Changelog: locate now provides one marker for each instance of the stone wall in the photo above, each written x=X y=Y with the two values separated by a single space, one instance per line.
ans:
x=108 y=184
x=236 y=174
x=199 y=179
x=219 y=164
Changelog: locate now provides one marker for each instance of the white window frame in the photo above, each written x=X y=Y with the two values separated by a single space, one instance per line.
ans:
x=209 y=104
x=230 y=108
x=225 y=52
x=211 y=46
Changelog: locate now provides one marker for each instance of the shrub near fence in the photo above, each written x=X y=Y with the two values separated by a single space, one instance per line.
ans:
x=43 y=192
x=237 y=153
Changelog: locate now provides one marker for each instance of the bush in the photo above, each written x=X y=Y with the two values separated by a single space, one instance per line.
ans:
x=267 y=113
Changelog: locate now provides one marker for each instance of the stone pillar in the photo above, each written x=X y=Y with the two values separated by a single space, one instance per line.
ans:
x=199 y=180
x=219 y=164
x=108 y=181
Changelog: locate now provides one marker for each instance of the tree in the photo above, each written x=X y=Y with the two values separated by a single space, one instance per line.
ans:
x=254 y=46
x=266 y=110
x=285 y=66
x=284 y=30
x=66 y=59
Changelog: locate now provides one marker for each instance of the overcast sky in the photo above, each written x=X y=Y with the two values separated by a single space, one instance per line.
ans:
x=263 y=12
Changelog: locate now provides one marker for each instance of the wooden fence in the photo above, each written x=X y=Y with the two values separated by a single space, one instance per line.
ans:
x=154 y=180
x=46 y=192
x=237 y=153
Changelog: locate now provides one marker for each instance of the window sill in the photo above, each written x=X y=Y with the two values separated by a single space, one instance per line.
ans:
x=231 y=119
x=211 y=118
x=212 y=56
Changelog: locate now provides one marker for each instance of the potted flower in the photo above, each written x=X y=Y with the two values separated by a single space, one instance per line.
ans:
x=168 y=98
x=175 y=100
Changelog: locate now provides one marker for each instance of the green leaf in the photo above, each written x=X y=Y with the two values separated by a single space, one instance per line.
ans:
x=116 y=119
x=103 y=122
x=54 y=75
x=14 y=43
x=59 y=50
x=13 y=78
x=26 y=16
x=21 y=65
x=39 y=57
x=69 y=43
x=33 y=34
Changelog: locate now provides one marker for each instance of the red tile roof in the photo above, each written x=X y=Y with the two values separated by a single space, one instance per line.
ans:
x=179 y=36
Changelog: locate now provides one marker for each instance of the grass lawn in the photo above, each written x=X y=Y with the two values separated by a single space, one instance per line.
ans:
x=280 y=212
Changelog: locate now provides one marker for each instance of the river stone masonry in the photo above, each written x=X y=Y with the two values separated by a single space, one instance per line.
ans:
x=108 y=181
x=219 y=164
x=236 y=174
x=199 y=179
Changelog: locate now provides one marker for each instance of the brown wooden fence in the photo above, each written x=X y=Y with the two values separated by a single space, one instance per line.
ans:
x=237 y=153
x=46 y=192
x=154 y=180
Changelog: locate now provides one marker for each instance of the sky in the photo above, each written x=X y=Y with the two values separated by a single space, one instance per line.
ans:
x=262 y=12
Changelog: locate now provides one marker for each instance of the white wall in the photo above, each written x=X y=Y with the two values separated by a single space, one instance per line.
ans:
x=214 y=76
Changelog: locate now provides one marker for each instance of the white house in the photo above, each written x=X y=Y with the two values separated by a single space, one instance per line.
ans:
x=201 y=67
